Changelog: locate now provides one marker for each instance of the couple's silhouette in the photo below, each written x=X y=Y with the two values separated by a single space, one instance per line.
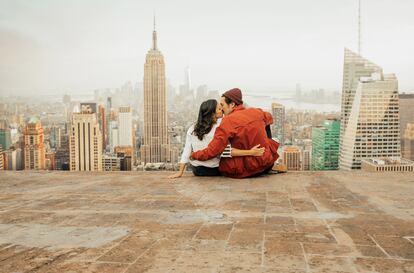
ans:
x=237 y=145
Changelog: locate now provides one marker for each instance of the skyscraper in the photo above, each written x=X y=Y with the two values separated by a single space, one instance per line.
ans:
x=355 y=67
x=34 y=146
x=278 y=130
x=127 y=95
x=325 y=145
x=127 y=157
x=50 y=162
x=62 y=156
x=370 y=113
x=185 y=90
x=407 y=144
x=5 y=134
x=201 y=92
x=108 y=121
x=155 y=147
x=125 y=126
x=291 y=158
x=55 y=136
x=1 y=158
x=13 y=159
x=406 y=110
x=85 y=141
x=407 y=125
x=113 y=135
x=188 y=78
x=102 y=125
x=306 y=160
x=90 y=105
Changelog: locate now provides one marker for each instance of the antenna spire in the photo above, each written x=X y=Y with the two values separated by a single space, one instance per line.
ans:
x=154 y=37
x=359 y=27
x=154 y=21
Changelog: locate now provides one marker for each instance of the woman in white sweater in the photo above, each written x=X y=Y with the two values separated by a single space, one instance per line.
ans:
x=199 y=136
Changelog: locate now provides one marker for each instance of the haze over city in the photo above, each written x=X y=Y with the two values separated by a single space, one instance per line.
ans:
x=206 y=136
x=53 y=47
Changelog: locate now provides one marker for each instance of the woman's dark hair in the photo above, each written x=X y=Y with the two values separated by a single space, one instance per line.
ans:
x=205 y=119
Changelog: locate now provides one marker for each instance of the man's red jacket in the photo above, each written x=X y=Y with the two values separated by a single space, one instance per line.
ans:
x=243 y=129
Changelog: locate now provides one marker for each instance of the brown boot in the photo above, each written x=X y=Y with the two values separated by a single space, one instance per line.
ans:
x=280 y=168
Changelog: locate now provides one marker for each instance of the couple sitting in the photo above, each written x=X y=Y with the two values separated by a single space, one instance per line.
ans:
x=238 y=145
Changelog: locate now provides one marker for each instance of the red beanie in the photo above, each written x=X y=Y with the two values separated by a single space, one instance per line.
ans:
x=235 y=95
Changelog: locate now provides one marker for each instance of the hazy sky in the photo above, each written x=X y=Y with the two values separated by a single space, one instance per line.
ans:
x=261 y=46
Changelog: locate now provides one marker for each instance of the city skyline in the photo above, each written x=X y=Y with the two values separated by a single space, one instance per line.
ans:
x=45 y=50
x=122 y=153
x=142 y=124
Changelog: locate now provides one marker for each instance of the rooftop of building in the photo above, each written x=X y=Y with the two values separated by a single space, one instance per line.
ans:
x=406 y=95
x=142 y=222
x=389 y=161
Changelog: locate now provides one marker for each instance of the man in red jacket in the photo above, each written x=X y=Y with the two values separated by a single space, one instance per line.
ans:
x=243 y=128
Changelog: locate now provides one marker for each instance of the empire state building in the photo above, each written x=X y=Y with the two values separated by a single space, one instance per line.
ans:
x=155 y=146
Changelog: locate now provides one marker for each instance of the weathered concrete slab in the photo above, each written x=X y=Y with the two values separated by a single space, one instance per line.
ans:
x=143 y=222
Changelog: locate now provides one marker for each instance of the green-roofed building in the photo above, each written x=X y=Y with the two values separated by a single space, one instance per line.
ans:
x=5 y=134
x=325 y=145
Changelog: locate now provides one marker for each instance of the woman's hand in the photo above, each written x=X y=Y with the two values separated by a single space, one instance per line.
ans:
x=176 y=175
x=179 y=173
x=257 y=150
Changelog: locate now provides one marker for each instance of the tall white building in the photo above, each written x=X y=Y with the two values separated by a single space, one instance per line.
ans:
x=113 y=134
x=155 y=144
x=306 y=160
x=85 y=141
x=370 y=113
x=278 y=126
x=115 y=137
x=355 y=67
x=34 y=145
x=188 y=77
x=125 y=126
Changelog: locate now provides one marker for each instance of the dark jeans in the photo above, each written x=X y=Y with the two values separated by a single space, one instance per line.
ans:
x=205 y=171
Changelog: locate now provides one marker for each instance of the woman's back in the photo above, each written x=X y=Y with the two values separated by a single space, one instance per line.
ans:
x=193 y=143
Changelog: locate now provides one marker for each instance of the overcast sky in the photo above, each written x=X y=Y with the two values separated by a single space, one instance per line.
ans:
x=262 y=46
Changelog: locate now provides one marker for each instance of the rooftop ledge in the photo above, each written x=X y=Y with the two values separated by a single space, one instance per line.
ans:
x=142 y=222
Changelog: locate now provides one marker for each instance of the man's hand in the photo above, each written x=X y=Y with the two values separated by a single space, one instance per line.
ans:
x=257 y=150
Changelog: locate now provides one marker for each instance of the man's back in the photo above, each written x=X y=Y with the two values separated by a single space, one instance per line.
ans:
x=248 y=125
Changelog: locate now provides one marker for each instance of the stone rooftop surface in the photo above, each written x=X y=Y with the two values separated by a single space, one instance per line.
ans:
x=143 y=222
